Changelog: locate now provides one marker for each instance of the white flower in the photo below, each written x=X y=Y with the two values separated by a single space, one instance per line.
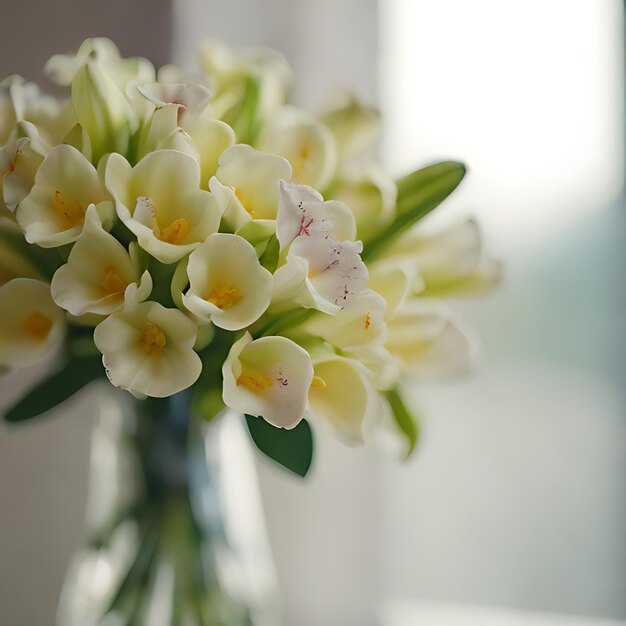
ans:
x=33 y=326
x=320 y=273
x=228 y=285
x=342 y=395
x=148 y=349
x=429 y=342
x=302 y=212
x=160 y=201
x=192 y=96
x=65 y=185
x=306 y=143
x=268 y=377
x=98 y=273
x=20 y=158
x=323 y=268
x=246 y=184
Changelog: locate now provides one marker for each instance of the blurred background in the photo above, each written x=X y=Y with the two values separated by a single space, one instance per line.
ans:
x=513 y=511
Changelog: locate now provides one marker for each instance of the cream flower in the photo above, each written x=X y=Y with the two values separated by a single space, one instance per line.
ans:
x=306 y=143
x=394 y=281
x=22 y=101
x=370 y=194
x=227 y=284
x=33 y=326
x=62 y=68
x=248 y=85
x=160 y=201
x=429 y=341
x=14 y=262
x=342 y=396
x=103 y=110
x=246 y=184
x=98 y=273
x=358 y=324
x=354 y=126
x=190 y=128
x=268 y=377
x=65 y=185
x=451 y=261
x=148 y=349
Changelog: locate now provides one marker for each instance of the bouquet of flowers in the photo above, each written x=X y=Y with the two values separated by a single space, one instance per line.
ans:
x=175 y=231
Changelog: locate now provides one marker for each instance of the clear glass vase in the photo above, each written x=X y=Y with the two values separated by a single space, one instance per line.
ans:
x=174 y=531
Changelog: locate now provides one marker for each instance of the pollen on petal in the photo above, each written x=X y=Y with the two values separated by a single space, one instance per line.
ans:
x=69 y=212
x=258 y=383
x=37 y=325
x=12 y=165
x=368 y=321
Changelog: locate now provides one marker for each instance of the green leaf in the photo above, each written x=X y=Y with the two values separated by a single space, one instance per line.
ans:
x=418 y=194
x=208 y=404
x=293 y=449
x=406 y=422
x=269 y=258
x=63 y=384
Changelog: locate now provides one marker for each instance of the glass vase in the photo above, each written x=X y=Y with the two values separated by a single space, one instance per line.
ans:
x=174 y=531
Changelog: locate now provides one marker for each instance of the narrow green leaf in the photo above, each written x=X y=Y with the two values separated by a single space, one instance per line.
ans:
x=293 y=449
x=55 y=389
x=418 y=194
x=269 y=258
x=208 y=404
x=406 y=422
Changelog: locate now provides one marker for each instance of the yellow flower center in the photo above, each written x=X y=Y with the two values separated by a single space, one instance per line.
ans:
x=176 y=232
x=152 y=340
x=224 y=297
x=69 y=211
x=37 y=325
x=113 y=282
x=368 y=321
x=318 y=382
x=258 y=383
x=244 y=198
x=300 y=162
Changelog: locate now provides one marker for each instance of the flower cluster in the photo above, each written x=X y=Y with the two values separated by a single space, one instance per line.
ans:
x=199 y=232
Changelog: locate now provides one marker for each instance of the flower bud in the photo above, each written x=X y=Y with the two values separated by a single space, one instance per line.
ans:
x=102 y=110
